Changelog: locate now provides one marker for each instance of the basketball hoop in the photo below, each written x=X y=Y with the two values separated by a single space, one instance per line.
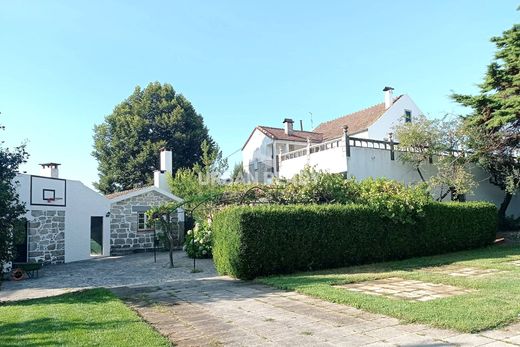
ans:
x=49 y=200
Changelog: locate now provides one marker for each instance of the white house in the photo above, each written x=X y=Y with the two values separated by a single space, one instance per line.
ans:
x=66 y=220
x=357 y=145
x=267 y=147
x=129 y=228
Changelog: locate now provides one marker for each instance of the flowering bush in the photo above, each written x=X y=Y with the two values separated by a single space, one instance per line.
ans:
x=198 y=241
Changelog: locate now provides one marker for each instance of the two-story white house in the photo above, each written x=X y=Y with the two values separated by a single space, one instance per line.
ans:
x=359 y=145
x=267 y=148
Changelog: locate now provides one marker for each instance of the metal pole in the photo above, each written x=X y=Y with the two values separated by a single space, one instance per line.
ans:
x=193 y=240
x=154 y=246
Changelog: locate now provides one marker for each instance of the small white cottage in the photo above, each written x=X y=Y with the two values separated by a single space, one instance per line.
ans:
x=66 y=220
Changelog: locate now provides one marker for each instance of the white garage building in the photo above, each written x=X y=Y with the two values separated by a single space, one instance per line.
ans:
x=66 y=220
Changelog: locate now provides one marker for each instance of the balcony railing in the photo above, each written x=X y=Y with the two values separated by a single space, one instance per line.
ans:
x=312 y=149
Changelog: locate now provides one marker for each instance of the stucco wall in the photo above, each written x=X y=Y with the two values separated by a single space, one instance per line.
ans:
x=259 y=148
x=123 y=226
x=332 y=160
x=380 y=129
x=368 y=162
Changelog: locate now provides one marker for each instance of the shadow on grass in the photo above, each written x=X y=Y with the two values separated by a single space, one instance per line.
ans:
x=53 y=326
x=47 y=331
x=329 y=276
x=88 y=296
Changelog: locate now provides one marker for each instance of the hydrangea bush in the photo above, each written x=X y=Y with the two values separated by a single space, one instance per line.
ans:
x=198 y=242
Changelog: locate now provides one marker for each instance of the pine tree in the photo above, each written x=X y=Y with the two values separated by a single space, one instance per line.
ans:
x=493 y=126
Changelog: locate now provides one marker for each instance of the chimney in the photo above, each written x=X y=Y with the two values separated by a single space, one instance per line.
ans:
x=50 y=170
x=166 y=160
x=288 y=126
x=160 y=177
x=389 y=99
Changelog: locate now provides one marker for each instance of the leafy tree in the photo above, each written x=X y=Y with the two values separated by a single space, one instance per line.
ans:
x=127 y=143
x=493 y=125
x=237 y=175
x=11 y=209
x=420 y=140
x=445 y=140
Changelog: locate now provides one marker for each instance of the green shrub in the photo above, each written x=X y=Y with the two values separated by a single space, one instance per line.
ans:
x=251 y=241
x=394 y=200
x=198 y=241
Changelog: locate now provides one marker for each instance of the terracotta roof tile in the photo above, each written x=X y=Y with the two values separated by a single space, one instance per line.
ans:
x=297 y=135
x=356 y=122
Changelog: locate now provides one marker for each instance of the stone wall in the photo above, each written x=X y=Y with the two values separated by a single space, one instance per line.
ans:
x=46 y=236
x=124 y=236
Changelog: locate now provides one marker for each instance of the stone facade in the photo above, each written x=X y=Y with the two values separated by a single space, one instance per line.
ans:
x=124 y=236
x=46 y=236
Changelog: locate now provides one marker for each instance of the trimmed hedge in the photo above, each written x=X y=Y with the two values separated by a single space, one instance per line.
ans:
x=251 y=241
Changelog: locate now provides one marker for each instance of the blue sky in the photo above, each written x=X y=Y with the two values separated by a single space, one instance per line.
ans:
x=64 y=65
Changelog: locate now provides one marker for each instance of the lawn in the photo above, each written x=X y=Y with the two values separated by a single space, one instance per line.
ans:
x=494 y=301
x=88 y=318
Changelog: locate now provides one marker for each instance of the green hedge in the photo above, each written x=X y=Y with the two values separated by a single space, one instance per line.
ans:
x=264 y=240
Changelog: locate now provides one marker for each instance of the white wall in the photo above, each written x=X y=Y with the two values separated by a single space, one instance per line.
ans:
x=380 y=129
x=256 y=149
x=82 y=203
x=333 y=160
x=368 y=162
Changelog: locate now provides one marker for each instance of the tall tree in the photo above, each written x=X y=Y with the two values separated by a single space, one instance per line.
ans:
x=127 y=143
x=11 y=209
x=493 y=125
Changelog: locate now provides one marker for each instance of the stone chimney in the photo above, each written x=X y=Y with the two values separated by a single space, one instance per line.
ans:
x=160 y=177
x=389 y=99
x=50 y=170
x=288 y=122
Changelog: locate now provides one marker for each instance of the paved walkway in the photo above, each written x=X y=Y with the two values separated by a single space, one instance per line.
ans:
x=203 y=309
x=109 y=272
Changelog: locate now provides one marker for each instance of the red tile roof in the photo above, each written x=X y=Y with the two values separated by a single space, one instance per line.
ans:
x=297 y=135
x=279 y=134
x=357 y=122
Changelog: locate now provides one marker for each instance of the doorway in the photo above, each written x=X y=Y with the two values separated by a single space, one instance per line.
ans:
x=20 y=241
x=96 y=235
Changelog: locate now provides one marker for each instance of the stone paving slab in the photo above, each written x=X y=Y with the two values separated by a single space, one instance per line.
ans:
x=399 y=288
x=109 y=272
x=471 y=272
x=515 y=262
x=203 y=309
x=221 y=311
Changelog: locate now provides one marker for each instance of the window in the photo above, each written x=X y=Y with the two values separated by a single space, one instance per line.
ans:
x=142 y=219
x=407 y=116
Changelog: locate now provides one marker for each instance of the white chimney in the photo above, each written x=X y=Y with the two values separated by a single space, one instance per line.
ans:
x=389 y=99
x=50 y=170
x=160 y=177
x=288 y=122
x=166 y=160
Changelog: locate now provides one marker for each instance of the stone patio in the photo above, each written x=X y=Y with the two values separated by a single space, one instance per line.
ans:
x=398 y=288
x=204 y=309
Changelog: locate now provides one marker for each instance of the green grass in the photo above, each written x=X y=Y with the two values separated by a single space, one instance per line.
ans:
x=88 y=318
x=494 y=303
